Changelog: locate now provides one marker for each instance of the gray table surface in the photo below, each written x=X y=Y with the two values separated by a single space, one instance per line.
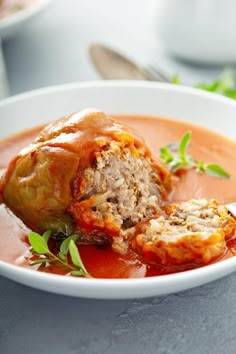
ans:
x=53 y=50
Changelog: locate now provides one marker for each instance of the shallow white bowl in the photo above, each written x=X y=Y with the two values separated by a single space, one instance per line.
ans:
x=11 y=24
x=41 y=106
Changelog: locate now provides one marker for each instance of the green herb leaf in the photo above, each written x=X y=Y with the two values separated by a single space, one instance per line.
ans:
x=175 y=79
x=175 y=167
x=16 y=8
x=225 y=85
x=183 y=146
x=178 y=159
x=39 y=246
x=46 y=236
x=40 y=261
x=62 y=256
x=216 y=171
x=75 y=256
x=37 y=242
x=65 y=244
x=77 y=273
x=166 y=155
x=201 y=167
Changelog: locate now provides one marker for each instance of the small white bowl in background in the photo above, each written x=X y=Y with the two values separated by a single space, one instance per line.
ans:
x=201 y=31
x=13 y=23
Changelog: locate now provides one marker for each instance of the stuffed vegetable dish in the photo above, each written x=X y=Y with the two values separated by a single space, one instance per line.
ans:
x=88 y=196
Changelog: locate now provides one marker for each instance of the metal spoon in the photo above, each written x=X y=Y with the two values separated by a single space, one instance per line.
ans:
x=113 y=65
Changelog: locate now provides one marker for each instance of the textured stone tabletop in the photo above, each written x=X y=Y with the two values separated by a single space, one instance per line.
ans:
x=53 y=50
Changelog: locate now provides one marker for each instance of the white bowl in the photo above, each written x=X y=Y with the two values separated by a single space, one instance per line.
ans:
x=198 y=31
x=199 y=107
x=13 y=23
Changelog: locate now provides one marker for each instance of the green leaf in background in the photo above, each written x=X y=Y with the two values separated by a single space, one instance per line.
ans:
x=225 y=85
x=175 y=79
x=38 y=243
x=16 y=8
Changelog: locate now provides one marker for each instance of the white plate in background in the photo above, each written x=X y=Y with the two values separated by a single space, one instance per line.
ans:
x=34 y=108
x=13 y=23
x=198 y=31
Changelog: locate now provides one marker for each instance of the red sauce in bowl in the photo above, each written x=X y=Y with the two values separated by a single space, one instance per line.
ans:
x=105 y=263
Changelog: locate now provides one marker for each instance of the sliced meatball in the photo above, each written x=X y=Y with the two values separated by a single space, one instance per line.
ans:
x=194 y=232
x=86 y=173
x=122 y=188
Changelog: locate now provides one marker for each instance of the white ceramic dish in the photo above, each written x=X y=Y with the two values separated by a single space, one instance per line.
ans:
x=13 y=23
x=34 y=108
x=198 y=31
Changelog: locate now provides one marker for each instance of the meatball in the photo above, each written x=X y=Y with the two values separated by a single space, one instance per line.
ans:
x=194 y=232
x=86 y=173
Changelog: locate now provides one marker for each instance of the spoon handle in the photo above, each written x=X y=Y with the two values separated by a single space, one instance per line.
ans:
x=112 y=65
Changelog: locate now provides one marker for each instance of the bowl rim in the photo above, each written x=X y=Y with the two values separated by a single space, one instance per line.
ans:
x=132 y=287
x=116 y=84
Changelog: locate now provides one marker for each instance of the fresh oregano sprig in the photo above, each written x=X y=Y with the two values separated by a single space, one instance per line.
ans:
x=39 y=245
x=176 y=157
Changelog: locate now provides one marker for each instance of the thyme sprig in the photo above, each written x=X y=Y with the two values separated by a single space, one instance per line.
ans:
x=39 y=246
x=176 y=157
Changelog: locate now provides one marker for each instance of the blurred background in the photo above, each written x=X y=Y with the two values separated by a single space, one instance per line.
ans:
x=170 y=35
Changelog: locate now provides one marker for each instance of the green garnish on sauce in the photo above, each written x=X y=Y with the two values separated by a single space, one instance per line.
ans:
x=176 y=157
x=68 y=248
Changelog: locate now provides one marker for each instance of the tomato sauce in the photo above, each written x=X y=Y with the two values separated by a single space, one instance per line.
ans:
x=105 y=263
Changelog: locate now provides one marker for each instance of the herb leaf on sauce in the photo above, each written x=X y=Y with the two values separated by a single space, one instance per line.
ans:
x=176 y=157
x=38 y=243
x=216 y=171
x=39 y=247
x=65 y=244
x=75 y=256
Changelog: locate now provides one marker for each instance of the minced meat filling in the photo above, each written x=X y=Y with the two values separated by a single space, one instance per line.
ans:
x=190 y=232
x=126 y=188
